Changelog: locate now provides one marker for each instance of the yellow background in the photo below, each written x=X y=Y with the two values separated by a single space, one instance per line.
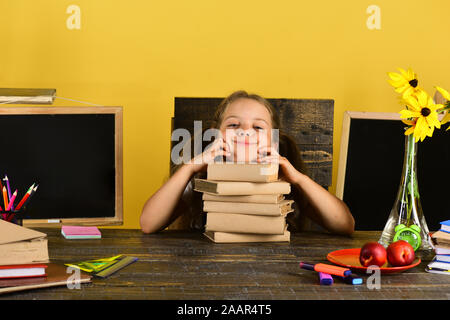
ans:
x=142 y=54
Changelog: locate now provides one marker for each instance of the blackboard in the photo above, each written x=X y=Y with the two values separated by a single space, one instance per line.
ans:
x=370 y=167
x=73 y=154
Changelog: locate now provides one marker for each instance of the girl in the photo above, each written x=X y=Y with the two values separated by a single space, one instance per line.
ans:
x=241 y=114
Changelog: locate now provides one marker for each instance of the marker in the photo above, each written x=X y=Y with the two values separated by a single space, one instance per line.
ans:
x=326 y=268
x=325 y=279
x=352 y=279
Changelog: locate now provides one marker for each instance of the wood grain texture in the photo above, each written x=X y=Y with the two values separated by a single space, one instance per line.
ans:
x=176 y=265
x=308 y=121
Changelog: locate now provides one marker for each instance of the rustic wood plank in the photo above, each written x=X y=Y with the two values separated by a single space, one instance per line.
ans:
x=308 y=121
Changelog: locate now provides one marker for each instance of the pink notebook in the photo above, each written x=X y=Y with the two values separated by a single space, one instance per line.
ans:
x=80 y=232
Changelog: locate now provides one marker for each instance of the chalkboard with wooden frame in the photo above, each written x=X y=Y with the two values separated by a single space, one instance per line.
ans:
x=370 y=167
x=308 y=121
x=74 y=154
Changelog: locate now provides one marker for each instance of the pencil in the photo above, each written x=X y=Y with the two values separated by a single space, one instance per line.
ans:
x=11 y=201
x=5 y=197
x=31 y=194
x=8 y=187
x=25 y=197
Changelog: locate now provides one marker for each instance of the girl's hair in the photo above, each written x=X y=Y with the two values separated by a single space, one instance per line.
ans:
x=287 y=146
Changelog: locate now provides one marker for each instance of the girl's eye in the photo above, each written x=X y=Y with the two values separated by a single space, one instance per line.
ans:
x=232 y=125
x=258 y=128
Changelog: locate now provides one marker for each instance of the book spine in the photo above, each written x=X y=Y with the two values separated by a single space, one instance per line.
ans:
x=231 y=237
x=256 y=198
x=243 y=223
x=249 y=188
x=249 y=173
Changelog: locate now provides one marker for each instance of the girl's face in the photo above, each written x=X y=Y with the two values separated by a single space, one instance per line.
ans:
x=246 y=127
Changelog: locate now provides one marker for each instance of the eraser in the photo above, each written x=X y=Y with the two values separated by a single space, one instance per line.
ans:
x=325 y=279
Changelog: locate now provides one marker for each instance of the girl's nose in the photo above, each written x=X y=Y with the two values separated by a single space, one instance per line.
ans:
x=245 y=133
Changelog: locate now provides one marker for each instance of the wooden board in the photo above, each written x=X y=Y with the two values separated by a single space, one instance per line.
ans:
x=308 y=121
x=30 y=149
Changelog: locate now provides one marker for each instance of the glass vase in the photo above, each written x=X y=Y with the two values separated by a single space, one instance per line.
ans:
x=406 y=220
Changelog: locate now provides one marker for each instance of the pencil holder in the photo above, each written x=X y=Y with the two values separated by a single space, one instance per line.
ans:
x=12 y=216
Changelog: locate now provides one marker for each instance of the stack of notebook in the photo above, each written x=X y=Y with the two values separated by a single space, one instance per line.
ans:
x=441 y=243
x=244 y=203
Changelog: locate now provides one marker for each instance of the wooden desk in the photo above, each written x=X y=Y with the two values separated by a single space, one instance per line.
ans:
x=178 y=265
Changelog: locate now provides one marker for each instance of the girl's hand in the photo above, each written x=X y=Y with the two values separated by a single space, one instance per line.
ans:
x=218 y=148
x=270 y=155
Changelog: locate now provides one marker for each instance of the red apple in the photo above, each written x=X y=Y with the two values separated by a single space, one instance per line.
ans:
x=372 y=253
x=400 y=253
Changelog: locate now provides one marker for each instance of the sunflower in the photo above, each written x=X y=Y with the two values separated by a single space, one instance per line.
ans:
x=446 y=96
x=422 y=111
x=404 y=82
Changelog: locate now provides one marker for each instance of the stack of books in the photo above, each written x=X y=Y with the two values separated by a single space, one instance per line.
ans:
x=245 y=203
x=441 y=244
x=24 y=261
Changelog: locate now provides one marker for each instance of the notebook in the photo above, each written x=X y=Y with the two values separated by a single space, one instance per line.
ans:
x=78 y=232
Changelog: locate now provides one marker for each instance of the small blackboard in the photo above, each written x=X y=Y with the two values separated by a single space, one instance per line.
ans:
x=370 y=168
x=74 y=155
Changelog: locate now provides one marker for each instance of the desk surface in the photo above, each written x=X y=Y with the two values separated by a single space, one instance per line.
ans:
x=179 y=265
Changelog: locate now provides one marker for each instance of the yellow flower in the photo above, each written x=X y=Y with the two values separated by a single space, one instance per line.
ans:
x=421 y=110
x=446 y=96
x=404 y=82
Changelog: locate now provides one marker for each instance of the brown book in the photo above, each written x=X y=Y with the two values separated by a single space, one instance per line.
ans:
x=250 y=172
x=241 y=188
x=230 y=237
x=441 y=238
x=245 y=223
x=20 y=245
x=56 y=276
x=27 y=96
x=253 y=198
x=266 y=209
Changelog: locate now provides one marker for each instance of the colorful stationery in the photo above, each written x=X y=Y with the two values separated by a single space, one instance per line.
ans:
x=25 y=197
x=122 y=263
x=326 y=268
x=325 y=279
x=8 y=186
x=11 y=201
x=352 y=279
x=94 y=266
x=79 y=232
x=5 y=197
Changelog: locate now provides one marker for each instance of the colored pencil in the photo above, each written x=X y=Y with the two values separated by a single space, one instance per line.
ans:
x=5 y=197
x=31 y=194
x=25 y=197
x=11 y=201
x=8 y=187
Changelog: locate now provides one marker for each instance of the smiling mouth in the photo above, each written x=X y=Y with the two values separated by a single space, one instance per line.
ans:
x=247 y=143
